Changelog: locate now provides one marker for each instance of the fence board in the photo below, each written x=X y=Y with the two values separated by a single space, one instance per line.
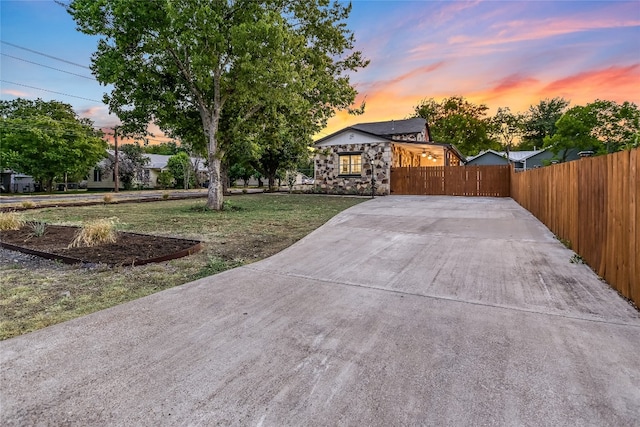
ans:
x=594 y=204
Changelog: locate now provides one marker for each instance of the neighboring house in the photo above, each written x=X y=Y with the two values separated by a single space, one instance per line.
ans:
x=147 y=178
x=522 y=160
x=348 y=158
x=14 y=182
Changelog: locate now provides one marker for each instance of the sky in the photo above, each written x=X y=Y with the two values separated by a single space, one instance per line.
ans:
x=499 y=53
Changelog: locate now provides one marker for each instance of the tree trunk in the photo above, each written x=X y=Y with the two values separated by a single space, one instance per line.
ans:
x=215 y=194
x=224 y=176
x=272 y=182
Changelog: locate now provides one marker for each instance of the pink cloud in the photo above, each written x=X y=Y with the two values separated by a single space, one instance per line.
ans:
x=518 y=31
x=91 y=111
x=387 y=84
x=511 y=83
x=16 y=93
x=615 y=83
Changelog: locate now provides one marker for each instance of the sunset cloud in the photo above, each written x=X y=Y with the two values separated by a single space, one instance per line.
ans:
x=519 y=31
x=615 y=83
x=16 y=93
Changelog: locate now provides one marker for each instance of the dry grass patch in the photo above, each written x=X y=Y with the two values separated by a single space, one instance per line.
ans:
x=95 y=232
x=11 y=221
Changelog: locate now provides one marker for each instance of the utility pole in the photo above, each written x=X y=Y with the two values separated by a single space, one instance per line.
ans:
x=115 y=165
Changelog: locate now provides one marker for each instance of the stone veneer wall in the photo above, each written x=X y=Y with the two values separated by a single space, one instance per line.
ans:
x=327 y=169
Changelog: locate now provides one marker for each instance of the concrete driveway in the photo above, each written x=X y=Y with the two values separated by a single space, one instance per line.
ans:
x=399 y=311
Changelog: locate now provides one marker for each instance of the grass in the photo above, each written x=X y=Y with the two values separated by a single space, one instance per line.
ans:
x=252 y=227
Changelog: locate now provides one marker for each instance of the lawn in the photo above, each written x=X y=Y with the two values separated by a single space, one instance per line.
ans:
x=251 y=228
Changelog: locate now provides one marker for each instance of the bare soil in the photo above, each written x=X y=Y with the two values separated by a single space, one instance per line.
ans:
x=128 y=249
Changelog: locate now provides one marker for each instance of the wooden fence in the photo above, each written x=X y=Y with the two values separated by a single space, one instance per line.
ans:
x=492 y=181
x=594 y=204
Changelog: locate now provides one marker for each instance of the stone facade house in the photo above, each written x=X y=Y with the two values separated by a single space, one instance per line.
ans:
x=347 y=159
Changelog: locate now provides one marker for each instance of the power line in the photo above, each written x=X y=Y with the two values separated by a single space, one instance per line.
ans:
x=44 y=54
x=52 y=91
x=46 y=66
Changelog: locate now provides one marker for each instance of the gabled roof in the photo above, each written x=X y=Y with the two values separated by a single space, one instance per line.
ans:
x=514 y=156
x=393 y=127
x=385 y=130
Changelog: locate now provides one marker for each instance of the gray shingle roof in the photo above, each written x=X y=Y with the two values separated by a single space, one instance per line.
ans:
x=393 y=127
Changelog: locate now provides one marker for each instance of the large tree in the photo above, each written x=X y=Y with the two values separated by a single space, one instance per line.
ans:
x=47 y=140
x=540 y=122
x=457 y=121
x=171 y=58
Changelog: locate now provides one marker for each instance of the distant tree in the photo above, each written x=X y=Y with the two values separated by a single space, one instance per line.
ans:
x=165 y=179
x=601 y=126
x=241 y=171
x=506 y=127
x=616 y=125
x=47 y=140
x=189 y=58
x=131 y=163
x=457 y=121
x=282 y=146
x=540 y=122
x=182 y=170
x=164 y=148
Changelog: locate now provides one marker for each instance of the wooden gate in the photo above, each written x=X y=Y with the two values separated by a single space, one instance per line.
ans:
x=492 y=181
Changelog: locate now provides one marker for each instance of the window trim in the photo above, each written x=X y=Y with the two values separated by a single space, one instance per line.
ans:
x=350 y=154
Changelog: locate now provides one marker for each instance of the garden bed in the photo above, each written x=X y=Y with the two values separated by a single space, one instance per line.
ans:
x=128 y=249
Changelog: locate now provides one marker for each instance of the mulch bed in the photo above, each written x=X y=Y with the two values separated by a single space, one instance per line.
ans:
x=129 y=248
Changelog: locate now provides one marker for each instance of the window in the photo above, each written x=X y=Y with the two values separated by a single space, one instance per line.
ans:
x=350 y=164
x=97 y=176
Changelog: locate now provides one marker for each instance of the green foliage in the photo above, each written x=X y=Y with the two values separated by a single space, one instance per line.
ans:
x=457 y=121
x=241 y=171
x=506 y=127
x=38 y=228
x=182 y=170
x=47 y=140
x=601 y=126
x=540 y=122
x=165 y=148
x=200 y=70
x=165 y=179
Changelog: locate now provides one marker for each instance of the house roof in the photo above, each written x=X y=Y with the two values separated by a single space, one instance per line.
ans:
x=383 y=130
x=514 y=156
x=159 y=161
x=393 y=127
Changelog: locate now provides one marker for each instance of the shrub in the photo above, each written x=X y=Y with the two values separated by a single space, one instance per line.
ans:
x=108 y=198
x=38 y=228
x=28 y=204
x=165 y=195
x=94 y=233
x=11 y=221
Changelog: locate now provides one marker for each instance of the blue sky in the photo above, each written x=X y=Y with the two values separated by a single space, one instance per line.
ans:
x=501 y=53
